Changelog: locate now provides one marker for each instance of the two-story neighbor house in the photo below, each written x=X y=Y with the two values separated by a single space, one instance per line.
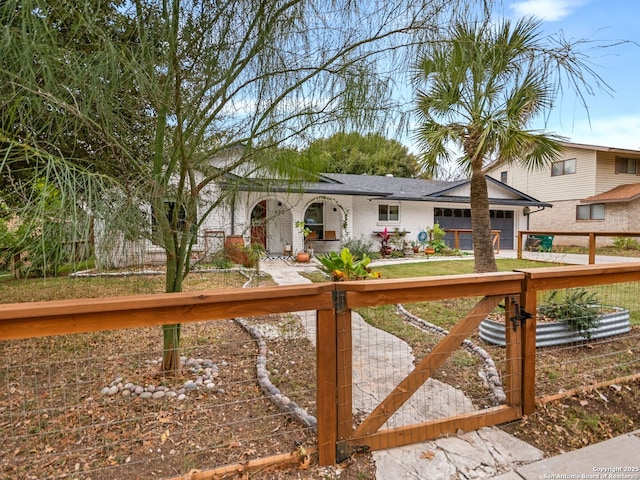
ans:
x=591 y=188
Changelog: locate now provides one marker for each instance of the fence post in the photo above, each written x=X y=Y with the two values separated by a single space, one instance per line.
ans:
x=520 y=245
x=326 y=370
x=513 y=340
x=345 y=374
x=530 y=303
x=592 y=248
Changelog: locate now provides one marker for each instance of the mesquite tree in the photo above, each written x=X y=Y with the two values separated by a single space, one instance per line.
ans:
x=154 y=90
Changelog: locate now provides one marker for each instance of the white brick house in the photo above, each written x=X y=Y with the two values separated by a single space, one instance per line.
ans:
x=338 y=207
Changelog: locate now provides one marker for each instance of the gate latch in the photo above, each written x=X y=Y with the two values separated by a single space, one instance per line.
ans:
x=521 y=315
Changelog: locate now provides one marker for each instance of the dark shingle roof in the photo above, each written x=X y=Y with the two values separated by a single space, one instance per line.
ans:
x=396 y=188
x=393 y=187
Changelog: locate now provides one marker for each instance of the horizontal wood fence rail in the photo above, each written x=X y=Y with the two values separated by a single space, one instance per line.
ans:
x=368 y=293
x=592 y=238
x=40 y=319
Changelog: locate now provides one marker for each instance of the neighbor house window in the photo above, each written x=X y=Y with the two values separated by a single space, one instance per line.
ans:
x=565 y=167
x=503 y=177
x=388 y=213
x=627 y=165
x=590 y=212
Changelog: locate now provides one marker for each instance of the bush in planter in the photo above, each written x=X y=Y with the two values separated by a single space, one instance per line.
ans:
x=252 y=255
x=436 y=237
x=578 y=308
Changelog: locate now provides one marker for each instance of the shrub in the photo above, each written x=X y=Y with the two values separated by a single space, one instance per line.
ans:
x=626 y=243
x=345 y=266
x=578 y=308
x=359 y=247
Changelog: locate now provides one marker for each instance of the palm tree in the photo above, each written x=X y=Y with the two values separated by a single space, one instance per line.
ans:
x=478 y=90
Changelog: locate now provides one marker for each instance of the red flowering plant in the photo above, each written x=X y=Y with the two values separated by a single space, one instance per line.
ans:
x=385 y=247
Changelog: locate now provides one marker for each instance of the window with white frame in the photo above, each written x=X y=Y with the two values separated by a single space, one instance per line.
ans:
x=594 y=211
x=388 y=213
x=564 y=167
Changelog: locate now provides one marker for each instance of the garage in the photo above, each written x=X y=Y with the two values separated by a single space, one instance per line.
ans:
x=502 y=220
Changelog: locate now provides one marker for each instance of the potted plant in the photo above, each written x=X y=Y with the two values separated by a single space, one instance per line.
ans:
x=436 y=241
x=303 y=256
x=415 y=246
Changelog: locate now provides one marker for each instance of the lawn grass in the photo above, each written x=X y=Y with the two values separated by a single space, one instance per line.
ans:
x=452 y=267
x=66 y=287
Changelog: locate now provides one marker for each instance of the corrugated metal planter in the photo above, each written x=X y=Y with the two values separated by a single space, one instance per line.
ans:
x=557 y=333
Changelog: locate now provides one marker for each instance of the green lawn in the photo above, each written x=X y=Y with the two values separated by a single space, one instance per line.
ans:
x=431 y=268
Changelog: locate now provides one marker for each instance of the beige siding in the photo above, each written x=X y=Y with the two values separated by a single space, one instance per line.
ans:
x=541 y=185
x=606 y=175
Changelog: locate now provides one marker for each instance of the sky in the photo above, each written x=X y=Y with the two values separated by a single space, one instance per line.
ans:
x=613 y=118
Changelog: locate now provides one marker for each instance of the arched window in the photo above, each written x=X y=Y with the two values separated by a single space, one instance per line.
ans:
x=314 y=220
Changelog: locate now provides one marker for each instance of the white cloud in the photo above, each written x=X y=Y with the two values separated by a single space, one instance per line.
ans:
x=548 y=10
x=618 y=132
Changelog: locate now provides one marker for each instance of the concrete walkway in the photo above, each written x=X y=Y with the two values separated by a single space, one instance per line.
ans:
x=617 y=458
x=380 y=362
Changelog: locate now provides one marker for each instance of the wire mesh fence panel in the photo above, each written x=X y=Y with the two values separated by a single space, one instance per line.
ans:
x=590 y=335
x=392 y=341
x=98 y=406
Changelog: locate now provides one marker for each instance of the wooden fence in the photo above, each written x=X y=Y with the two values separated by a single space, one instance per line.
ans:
x=591 y=235
x=334 y=304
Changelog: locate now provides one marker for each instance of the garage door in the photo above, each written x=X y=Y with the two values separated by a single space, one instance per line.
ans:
x=461 y=218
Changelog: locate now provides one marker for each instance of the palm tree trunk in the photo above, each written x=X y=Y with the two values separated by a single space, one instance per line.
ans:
x=481 y=225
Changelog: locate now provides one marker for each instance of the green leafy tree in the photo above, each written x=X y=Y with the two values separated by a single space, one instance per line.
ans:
x=370 y=154
x=478 y=90
x=217 y=83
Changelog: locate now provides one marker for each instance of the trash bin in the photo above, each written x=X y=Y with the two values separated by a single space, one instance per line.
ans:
x=546 y=242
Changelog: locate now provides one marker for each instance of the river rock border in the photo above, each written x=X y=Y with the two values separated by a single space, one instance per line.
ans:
x=491 y=375
x=203 y=370
x=284 y=403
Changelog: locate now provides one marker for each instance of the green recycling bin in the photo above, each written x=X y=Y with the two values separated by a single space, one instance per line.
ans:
x=546 y=242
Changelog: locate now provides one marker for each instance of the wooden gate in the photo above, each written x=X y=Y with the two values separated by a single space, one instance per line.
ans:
x=337 y=437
